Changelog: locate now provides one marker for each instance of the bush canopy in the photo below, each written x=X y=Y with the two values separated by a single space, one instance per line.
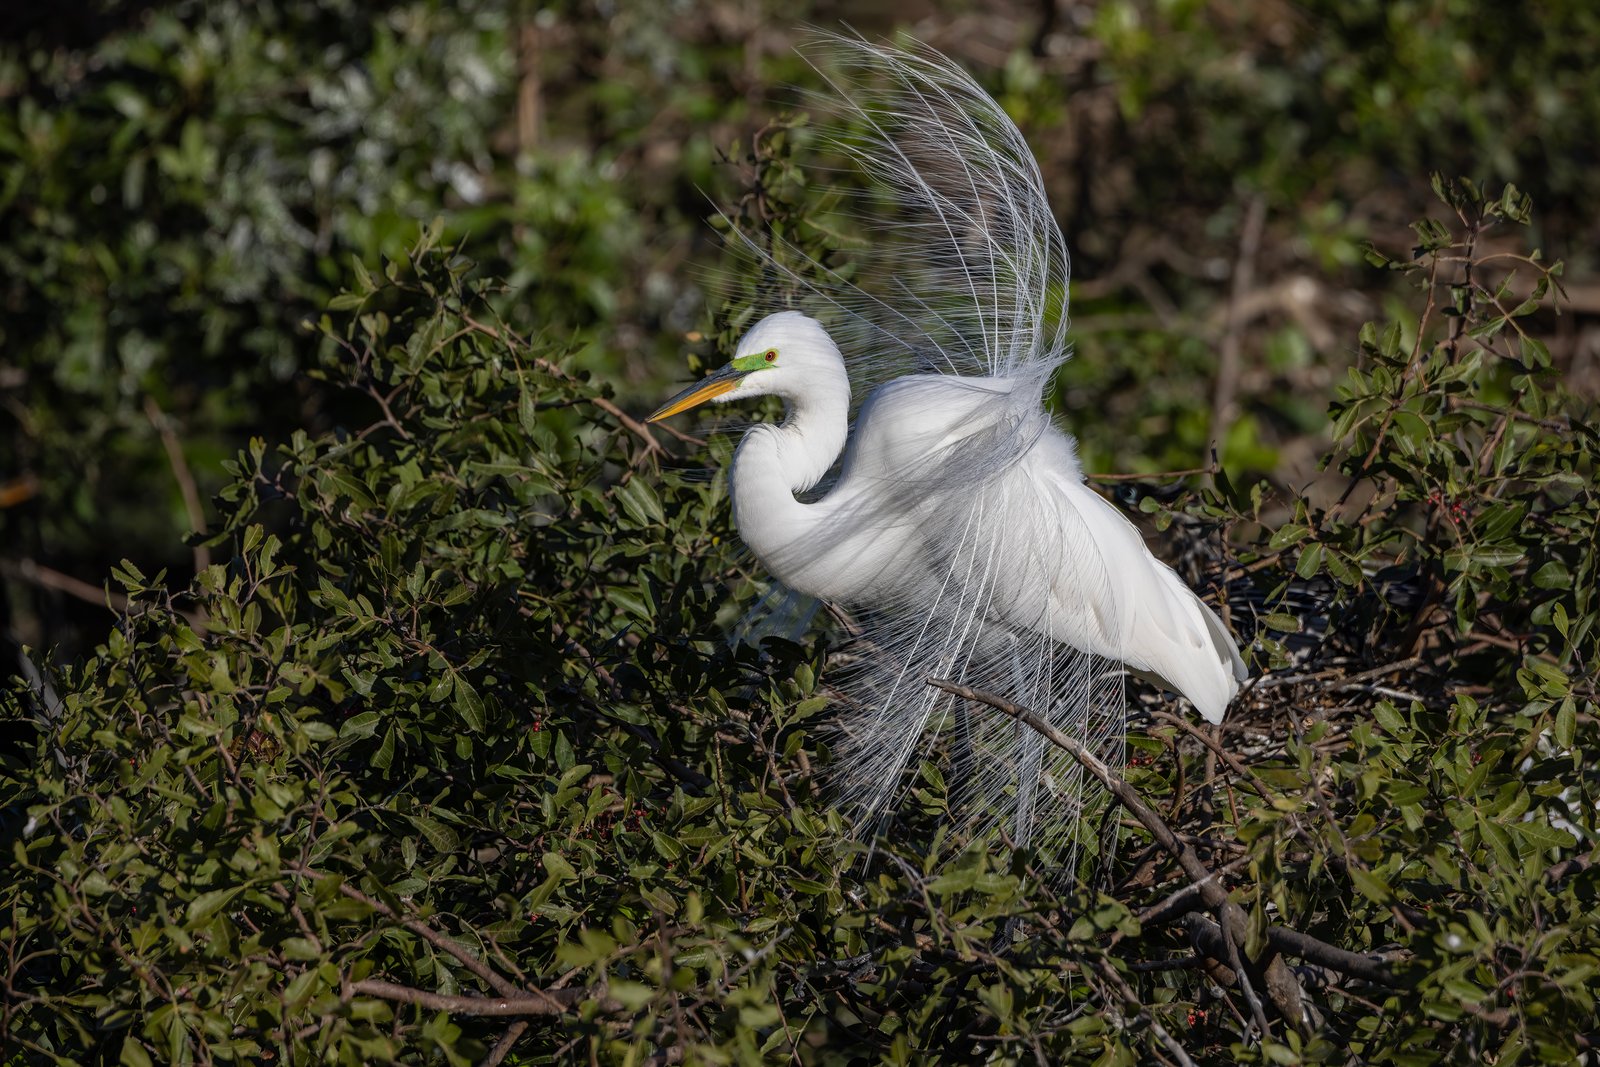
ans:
x=415 y=732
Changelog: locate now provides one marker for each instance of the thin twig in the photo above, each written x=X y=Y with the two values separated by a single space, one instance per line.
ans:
x=1178 y=901
x=1563 y=425
x=1119 y=788
x=1245 y=773
x=26 y=570
x=1224 y=398
x=1229 y=939
x=18 y=491
x=185 y=477
x=498 y=982
x=639 y=429
x=1132 y=1000
x=1156 y=476
x=1333 y=675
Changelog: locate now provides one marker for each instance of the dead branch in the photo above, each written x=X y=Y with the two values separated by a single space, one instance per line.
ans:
x=1368 y=968
x=502 y=1048
x=26 y=570
x=1224 y=401
x=499 y=983
x=553 y=1002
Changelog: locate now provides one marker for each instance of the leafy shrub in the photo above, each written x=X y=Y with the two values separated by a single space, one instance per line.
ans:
x=446 y=761
x=179 y=192
x=454 y=719
x=178 y=196
x=451 y=683
x=1431 y=800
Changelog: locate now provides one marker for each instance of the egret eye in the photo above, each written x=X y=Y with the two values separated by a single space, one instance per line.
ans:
x=771 y=354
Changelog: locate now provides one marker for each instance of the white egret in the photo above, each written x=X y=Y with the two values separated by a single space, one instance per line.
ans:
x=958 y=527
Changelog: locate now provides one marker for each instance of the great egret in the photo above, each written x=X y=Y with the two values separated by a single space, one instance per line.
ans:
x=958 y=526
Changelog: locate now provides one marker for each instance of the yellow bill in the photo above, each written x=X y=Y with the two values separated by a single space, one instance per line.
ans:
x=707 y=388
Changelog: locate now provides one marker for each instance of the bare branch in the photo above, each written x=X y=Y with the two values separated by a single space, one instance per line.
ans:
x=502 y=1048
x=1372 y=969
x=555 y=1002
x=26 y=570
x=1224 y=400
x=185 y=477
x=498 y=982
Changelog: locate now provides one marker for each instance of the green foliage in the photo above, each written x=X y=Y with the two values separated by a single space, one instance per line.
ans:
x=183 y=184
x=452 y=723
x=1463 y=441
x=1162 y=125
x=453 y=717
x=448 y=684
x=179 y=195
x=173 y=202
x=1444 y=812
x=1288 y=101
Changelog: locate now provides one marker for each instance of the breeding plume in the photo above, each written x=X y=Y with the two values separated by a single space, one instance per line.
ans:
x=952 y=519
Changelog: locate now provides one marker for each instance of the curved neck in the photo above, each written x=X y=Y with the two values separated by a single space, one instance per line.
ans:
x=773 y=462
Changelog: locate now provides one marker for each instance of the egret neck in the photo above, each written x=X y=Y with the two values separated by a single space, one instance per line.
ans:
x=776 y=461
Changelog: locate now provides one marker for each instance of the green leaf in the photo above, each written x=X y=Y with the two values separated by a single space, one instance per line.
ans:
x=527 y=412
x=440 y=836
x=209 y=903
x=557 y=867
x=469 y=705
x=1389 y=718
x=1371 y=886
x=1288 y=536
x=1566 y=727
x=1542 y=836
x=640 y=502
x=1552 y=575
x=133 y=1053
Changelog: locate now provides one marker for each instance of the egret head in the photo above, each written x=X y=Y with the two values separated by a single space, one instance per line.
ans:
x=786 y=354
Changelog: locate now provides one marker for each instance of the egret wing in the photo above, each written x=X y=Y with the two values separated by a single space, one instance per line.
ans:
x=1158 y=626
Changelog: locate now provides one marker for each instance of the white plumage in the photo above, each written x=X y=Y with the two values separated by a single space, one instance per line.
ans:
x=958 y=527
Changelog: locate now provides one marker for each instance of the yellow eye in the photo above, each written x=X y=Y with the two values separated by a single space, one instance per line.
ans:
x=771 y=354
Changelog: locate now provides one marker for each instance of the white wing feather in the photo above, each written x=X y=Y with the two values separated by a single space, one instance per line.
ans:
x=1167 y=633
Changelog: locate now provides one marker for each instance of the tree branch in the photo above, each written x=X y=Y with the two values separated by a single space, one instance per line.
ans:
x=1224 y=399
x=1281 y=982
x=502 y=1048
x=38 y=574
x=639 y=429
x=507 y=989
x=552 y=1002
